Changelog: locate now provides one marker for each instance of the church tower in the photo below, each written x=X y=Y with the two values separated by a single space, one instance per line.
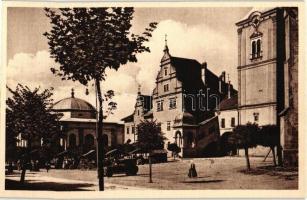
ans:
x=260 y=64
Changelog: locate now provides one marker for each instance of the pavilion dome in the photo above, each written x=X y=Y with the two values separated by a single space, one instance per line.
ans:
x=73 y=104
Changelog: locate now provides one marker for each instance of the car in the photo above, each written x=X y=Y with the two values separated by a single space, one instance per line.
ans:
x=118 y=164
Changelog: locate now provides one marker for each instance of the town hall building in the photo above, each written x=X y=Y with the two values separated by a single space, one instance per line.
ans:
x=183 y=102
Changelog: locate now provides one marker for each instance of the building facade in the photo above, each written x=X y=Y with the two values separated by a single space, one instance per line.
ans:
x=268 y=73
x=79 y=126
x=183 y=103
x=258 y=64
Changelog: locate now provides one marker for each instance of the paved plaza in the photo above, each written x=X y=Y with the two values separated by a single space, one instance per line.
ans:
x=213 y=173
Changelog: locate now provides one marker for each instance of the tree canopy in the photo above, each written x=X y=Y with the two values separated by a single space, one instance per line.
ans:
x=28 y=114
x=86 y=41
x=150 y=136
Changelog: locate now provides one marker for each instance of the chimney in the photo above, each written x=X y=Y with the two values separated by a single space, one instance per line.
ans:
x=221 y=80
x=229 y=90
x=224 y=76
x=203 y=72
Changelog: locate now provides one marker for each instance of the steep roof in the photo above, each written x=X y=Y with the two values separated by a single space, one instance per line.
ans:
x=129 y=118
x=229 y=103
x=188 y=71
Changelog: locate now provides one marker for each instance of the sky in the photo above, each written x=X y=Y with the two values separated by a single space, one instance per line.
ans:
x=205 y=34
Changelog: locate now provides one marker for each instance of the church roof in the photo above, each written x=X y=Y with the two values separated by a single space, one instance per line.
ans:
x=73 y=104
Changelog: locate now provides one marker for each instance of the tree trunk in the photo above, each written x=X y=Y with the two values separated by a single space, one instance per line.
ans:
x=100 y=143
x=26 y=160
x=247 y=159
x=150 y=169
x=23 y=174
x=273 y=152
x=279 y=155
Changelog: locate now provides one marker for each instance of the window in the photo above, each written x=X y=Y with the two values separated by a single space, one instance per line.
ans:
x=160 y=106
x=138 y=112
x=168 y=126
x=166 y=88
x=223 y=123
x=127 y=131
x=133 y=130
x=256 y=117
x=165 y=71
x=159 y=126
x=172 y=103
x=233 y=122
x=256 y=50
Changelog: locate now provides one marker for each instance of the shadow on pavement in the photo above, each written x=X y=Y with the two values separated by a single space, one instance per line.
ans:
x=49 y=186
x=203 y=181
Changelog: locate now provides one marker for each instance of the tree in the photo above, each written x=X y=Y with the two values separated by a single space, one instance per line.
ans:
x=269 y=137
x=28 y=114
x=150 y=138
x=86 y=41
x=245 y=137
x=173 y=147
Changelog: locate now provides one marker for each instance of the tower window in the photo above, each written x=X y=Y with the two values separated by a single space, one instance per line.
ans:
x=166 y=88
x=168 y=126
x=165 y=71
x=256 y=117
x=256 y=50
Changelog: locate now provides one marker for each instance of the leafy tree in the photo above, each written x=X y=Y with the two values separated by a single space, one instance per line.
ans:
x=29 y=115
x=227 y=143
x=269 y=137
x=86 y=41
x=173 y=147
x=150 y=138
x=245 y=137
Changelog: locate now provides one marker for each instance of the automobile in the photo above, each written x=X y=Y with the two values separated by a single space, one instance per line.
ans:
x=116 y=163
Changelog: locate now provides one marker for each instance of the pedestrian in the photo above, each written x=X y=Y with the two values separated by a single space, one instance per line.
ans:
x=47 y=166
x=192 y=171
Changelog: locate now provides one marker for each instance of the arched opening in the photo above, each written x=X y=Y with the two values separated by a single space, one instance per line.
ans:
x=178 y=138
x=72 y=140
x=89 y=141
x=105 y=140
x=189 y=140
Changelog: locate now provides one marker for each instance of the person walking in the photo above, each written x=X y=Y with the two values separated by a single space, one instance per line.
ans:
x=192 y=171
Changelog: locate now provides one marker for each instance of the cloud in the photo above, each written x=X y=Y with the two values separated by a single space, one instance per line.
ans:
x=197 y=42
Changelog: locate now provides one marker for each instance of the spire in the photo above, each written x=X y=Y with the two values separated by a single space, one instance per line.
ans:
x=166 y=47
x=72 y=93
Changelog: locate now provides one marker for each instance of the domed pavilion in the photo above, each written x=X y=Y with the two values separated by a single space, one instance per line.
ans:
x=79 y=125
